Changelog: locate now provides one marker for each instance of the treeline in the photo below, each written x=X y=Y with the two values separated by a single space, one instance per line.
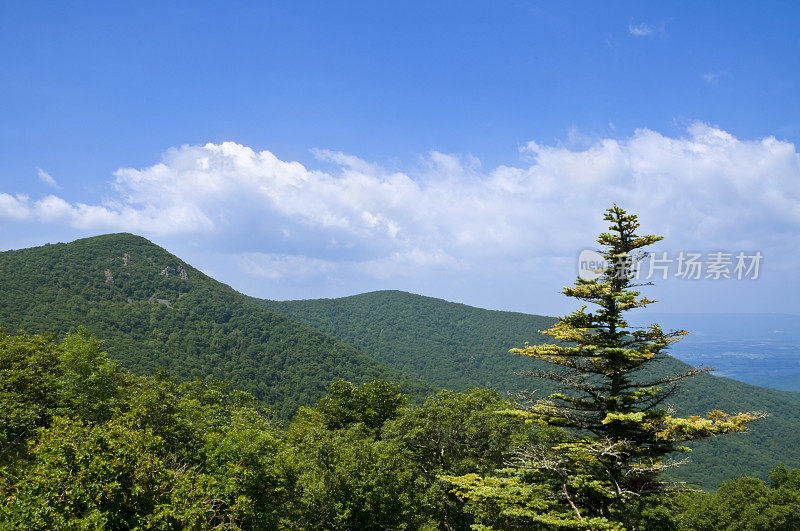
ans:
x=84 y=444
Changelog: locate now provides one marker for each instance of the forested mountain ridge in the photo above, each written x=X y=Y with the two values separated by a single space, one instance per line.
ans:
x=450 y=344
x=456 y=346
x=153 y=310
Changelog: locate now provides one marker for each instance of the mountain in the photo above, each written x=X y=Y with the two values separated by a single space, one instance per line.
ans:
x=455 y=346
x=153 y=310
x=452 y=345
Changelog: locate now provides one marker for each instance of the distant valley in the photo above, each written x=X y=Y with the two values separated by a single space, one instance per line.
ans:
x=759 y=349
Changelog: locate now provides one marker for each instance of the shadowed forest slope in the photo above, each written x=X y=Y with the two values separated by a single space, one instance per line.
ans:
x=457 y=346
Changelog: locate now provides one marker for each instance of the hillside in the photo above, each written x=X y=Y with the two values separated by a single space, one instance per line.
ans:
x=152 y=310
x=452 y=345
x=456 y=346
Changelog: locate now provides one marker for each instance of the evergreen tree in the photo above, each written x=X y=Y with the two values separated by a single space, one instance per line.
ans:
x=611 y=403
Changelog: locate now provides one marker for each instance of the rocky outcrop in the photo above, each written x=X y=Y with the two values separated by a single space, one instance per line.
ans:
x=180 y=271
x=154 y=300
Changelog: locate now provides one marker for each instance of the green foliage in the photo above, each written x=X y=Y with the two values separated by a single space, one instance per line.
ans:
x=455 y=433
x=208 y=331
x=365 y=472
x=456 y=346
x=29 y=371
x=371 y=404
x=40 y=379
x=90 y=384
x=744 y=504
x=620 y=431
x=100 y=476
x=453 y=346
x=514 y=499
x=107 y=450
x=348 y=479
x=87 y=445
x=154 y=311
x=125 y=452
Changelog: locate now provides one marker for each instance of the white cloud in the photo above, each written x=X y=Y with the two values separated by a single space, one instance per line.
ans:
x=640 y=30
x=348 y=161
x=112 y=216
x=46 y=178
x=14 y=207
x=277 y=267
x=647 y=30
x=705 y=190
x=712 y=78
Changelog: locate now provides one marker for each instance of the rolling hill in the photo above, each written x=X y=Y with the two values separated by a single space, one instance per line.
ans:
x=153 y=310
x=455 y=346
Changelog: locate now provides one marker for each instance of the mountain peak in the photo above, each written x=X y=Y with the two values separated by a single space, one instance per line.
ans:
x=117 y=237
x=153 y=310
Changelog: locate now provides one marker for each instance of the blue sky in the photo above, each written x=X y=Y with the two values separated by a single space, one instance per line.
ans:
x=460 y=150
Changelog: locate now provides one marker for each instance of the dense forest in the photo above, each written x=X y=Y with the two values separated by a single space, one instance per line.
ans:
x=457 y=346
x=204 y=408
x=154 y=311
x=87 y=445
